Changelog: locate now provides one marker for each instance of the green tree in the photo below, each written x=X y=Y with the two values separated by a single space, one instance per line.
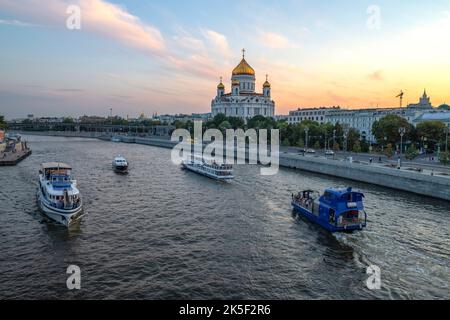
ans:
x=2 y=122
x=365 y=146
x=411 y=153
x=357 y=146
x=433 y=131
x=317 y=145
x=218 y=119
x=224 y=126
x=236 y=123
x=286 y=142
x=285 y=133
x=389 y=151
x=388 y=127
x=445 y=158
x=336 y=147
x=179 y=124
x=354 y=138
x=261 y=122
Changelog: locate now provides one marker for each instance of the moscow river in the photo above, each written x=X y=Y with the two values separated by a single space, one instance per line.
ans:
x=164 y=233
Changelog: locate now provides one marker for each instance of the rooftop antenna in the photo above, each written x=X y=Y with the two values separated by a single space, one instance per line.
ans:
x=401 y=94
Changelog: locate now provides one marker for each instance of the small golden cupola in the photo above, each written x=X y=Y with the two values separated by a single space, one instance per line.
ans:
x=243 y=68
x=221 y=85
x=266 y=87
x=267 y=83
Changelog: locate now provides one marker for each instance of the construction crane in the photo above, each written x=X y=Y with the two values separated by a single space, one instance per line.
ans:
x=401 y=98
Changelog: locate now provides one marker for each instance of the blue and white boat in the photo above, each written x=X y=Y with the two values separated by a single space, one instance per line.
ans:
x=58 y=196
x=337 y=210
x=208 y=168
x=120 y=165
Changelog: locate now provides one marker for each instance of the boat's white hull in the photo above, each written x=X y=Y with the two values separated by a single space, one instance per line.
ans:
x=120 y=169
x=62 y=216
x=207 y=174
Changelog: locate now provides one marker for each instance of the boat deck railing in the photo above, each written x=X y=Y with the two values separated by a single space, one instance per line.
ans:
x=63 y=206
x=219 y=171
x=352 y=222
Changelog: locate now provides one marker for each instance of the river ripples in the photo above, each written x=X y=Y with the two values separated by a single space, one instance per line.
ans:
x=164 y=233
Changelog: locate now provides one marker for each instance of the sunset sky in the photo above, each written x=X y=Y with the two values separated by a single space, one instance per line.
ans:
x=167 y=56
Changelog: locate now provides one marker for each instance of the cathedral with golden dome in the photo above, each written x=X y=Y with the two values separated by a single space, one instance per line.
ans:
x=243 y=101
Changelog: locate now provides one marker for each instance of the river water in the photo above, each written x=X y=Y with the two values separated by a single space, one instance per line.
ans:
x=163 y=233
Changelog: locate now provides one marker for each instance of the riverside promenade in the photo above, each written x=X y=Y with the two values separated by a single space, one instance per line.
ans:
x=434 y=184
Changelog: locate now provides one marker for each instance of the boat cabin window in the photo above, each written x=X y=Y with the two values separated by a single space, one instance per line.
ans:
x=351 y=197
x=328 y=196
x=332 y=215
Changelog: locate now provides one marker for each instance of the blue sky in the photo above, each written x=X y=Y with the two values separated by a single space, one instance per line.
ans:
x=167 y=56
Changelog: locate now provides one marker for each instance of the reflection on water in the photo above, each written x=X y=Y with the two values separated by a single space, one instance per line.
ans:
x=163 y=233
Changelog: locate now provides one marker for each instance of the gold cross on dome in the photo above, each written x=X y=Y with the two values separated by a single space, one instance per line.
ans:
x=243 y=53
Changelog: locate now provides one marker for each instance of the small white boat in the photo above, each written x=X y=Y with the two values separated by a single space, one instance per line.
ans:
x=116 y=139
x=58 y=197
x=210 y=169
x=120 y=164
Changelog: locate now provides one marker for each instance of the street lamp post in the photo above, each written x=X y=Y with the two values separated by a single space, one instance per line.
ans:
x=402 y=132
x=334 y=137
x=346 y=140
x=446 y=137
x=306 y=138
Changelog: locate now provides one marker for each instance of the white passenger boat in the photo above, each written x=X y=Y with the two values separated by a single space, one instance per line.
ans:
x=57 y=195
x=210 y=169
x=120 y=165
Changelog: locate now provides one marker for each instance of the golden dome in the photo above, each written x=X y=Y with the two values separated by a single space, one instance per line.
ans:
x=267 y=83
x=220 y=85
x=243 y=68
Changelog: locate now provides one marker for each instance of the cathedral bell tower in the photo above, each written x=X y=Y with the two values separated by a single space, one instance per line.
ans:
x=220 y=89
x=266 y=87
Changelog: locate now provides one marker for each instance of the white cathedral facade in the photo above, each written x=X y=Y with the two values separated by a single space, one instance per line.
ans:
x=243 y=101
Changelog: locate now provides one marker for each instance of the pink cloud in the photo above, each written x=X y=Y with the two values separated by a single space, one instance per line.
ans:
x=114 y=22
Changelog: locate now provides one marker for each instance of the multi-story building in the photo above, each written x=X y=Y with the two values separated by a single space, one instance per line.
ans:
x=363 y=119
x=314 y=114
